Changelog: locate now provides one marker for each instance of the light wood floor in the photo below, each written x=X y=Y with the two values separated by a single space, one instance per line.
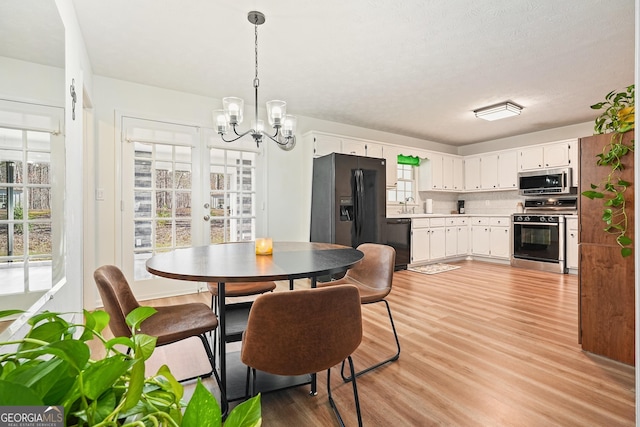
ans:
x=483 y=345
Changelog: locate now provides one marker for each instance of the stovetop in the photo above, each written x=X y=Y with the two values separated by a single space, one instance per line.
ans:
x=552 y=205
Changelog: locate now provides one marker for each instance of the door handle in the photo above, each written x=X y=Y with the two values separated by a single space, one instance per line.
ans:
x=206 y=217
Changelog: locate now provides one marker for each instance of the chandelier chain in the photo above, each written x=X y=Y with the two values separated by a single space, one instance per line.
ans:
x=256 y=81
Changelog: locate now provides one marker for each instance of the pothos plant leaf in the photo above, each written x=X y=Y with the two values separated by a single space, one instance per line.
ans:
x=617 y=118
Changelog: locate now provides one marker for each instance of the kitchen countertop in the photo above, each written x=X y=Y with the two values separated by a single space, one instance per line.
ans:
x=423 y=215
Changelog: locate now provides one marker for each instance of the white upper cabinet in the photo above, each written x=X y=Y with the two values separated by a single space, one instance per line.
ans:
x=430 y=172
x=557 y=154
x=351 y=146
x=447 y=172
x=489 y=172
x=458 y=174
x=472 y=173
x=326 y=144
x=508 y=170
x=440 y=172
x=531 y=158
x=374 y=150
x=390 y=154
x=573 y=161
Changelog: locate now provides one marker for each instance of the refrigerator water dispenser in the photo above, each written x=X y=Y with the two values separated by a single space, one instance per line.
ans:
x=346 y=208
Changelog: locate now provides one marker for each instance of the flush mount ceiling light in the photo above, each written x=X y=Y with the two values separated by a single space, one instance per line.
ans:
x=283 y=124
x=498 y=111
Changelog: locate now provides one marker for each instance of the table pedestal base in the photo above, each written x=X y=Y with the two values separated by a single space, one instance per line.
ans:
x=237 y=375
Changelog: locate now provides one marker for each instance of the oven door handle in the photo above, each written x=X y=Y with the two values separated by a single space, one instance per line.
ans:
x=536 y=223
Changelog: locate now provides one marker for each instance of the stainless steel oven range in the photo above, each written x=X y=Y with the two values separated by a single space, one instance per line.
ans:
x=538 y=234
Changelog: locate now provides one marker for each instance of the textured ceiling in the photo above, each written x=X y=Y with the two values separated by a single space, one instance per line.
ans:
x=413 y=67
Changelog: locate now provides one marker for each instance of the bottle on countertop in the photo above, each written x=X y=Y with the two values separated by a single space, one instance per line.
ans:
x=519 y=207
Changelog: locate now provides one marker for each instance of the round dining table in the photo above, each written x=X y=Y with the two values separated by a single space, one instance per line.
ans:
x=238 y=262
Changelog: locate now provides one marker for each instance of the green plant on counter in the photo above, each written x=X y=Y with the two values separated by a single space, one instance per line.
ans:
x=618 y=118
x=49 y=367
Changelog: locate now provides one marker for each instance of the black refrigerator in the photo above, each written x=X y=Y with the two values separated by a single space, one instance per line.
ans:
x=348 y=200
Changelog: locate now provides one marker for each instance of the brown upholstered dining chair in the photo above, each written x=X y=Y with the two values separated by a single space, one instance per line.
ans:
x=170 y=324
x=242 y=289
x=373 y=276
x=303 y=332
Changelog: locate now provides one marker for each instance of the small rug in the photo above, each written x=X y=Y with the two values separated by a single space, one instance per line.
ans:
x=433 y=268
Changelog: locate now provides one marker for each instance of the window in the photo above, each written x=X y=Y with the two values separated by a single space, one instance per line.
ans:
x=232 y=182
x=405 y=187
x=31 y=202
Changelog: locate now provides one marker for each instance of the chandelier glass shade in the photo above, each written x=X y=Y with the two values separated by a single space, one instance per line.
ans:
x=283 y=124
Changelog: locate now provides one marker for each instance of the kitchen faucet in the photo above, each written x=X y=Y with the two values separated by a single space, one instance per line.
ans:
x=405 y=209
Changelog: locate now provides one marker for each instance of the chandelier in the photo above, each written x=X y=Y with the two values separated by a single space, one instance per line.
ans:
x=284 y=124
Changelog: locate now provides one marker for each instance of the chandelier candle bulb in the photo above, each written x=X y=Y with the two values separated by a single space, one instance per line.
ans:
x=221 y=121
x=264 y=246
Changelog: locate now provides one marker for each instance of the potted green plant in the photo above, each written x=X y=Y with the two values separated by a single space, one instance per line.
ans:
x=617 y=118
x=52 y=366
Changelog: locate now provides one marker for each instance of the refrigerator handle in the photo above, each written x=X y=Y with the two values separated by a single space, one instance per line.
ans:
x=358 y=204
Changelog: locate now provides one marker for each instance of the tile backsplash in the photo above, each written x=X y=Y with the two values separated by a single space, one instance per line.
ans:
x=489 y=202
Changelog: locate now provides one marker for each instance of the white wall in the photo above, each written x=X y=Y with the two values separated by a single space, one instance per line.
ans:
x=550 y=135
x=29 y=82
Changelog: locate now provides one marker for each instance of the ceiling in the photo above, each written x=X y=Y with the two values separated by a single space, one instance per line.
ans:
x=414 y=67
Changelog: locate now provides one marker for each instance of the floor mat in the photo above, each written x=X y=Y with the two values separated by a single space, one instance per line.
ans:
x=433 y=268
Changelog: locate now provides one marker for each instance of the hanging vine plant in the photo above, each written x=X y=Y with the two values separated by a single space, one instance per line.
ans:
x=617 y=118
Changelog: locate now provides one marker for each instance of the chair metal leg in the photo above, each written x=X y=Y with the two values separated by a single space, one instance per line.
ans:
x=355 y=394
x=212 y=358
x=214 y=333
x=391 y=359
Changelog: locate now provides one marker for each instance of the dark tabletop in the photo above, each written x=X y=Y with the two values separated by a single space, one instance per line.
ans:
x=237 y=262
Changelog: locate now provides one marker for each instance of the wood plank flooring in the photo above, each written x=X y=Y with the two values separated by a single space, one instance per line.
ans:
x=483 y=345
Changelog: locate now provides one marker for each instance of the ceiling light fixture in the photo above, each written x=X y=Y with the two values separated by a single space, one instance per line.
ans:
x=498 y=111
x=284 y=124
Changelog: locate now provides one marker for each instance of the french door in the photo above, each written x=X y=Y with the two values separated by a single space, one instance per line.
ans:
x=180 y=189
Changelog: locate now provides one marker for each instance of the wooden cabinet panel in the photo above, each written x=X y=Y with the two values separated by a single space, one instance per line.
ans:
x=606 y=279
x=607 y=302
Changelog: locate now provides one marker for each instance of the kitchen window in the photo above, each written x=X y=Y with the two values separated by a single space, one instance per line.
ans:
x=405 y=187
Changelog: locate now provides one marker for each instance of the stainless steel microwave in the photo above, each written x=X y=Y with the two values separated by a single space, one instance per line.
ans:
x=546 y=182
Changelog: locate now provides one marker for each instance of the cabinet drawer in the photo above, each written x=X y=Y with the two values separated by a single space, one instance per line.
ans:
x=503 y=221
x=437 y=222
x=420 y=223
x=456 y=221
x=480 y=221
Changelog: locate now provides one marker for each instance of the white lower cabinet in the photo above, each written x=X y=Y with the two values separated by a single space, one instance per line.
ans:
x=438 y=238
x=451 y=241
x=457 y=236
x=437 y=243
x=499 y=245
x=419 y=245
x=491 y=237
x=480 y=236
x=571 y=258
x=441 y=238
